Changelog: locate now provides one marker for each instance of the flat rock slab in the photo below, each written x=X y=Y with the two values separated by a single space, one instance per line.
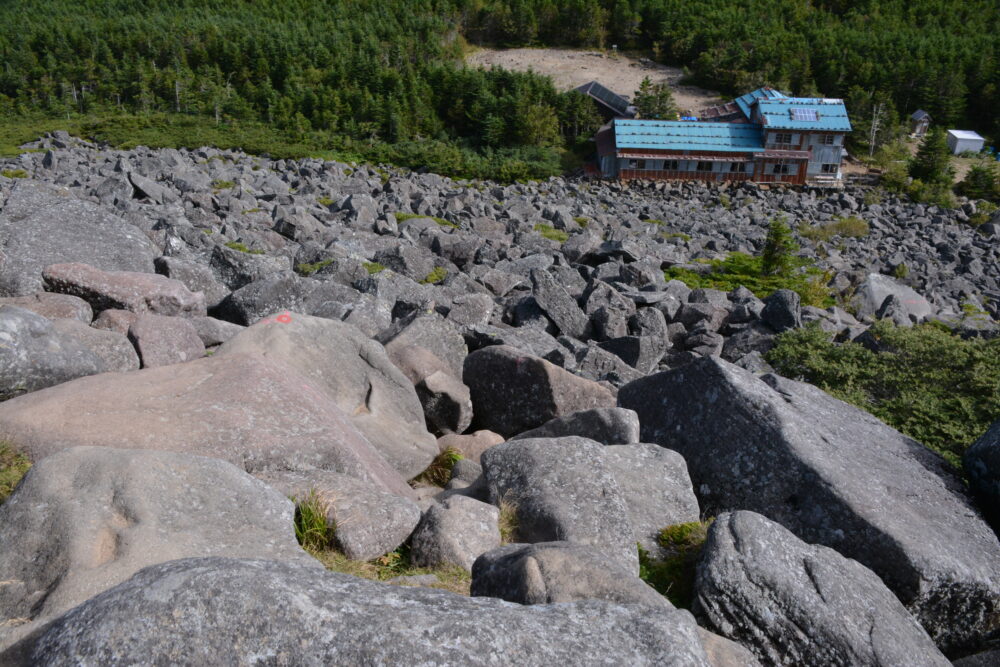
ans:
x=872 y=293
x=41 y=225
x=368 y=521
x=562 y=489
x=194 y=610
x=162 y=341
x=608 y=426
x=514 y=392
x=35 y=355
x=88 y=518
x=246 y=409
x=792 y=603
x=355 y=373
x=53 y=306
x=114 y=350
x=833 y=475
x=124 y=290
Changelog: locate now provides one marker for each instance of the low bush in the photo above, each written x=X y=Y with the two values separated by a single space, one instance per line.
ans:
x=437 y=274
x=15 y=173
x=394 y=564
x=438 y=473
x=741 y=269
x=236 y=245
x=673 y=576
x=551 y=233
x=373 y=267
x=312 y=529
x=13 y=466
x=928 y=383
x=307 y=269
x=852 y=227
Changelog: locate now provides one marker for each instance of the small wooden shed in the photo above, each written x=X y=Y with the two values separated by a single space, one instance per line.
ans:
x=920 y=121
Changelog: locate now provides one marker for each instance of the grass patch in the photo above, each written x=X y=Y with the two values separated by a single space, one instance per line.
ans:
x=394 y=564
x=255 y=209
x=13 y=466
x=438 y=473
x=852 y=227
x=15 y=173
x=582 y=221
x=675 y=235
x=673 y=576
x=236 y=245
x=324 y=201
x=741 y=269
x=307 y=269
x=222 y=185
x=312 y=529
x=551 y=233
x=508 y=520
x=403 y=217
x=373 y=267
x=436 y=275
x=927 y=382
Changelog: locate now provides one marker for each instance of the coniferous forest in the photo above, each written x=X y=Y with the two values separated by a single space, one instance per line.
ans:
x=385 y=81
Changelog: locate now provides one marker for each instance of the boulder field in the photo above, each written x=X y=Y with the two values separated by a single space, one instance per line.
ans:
x=203 y=351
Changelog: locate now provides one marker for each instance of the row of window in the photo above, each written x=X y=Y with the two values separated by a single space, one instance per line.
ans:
x=672 y=165
x=786 y=138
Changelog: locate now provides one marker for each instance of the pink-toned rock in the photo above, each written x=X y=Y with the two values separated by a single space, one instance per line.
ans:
x=115 y=320
x=111 y=347
x=53 y=306
x=471 y=445
x=255 y=412
x=127 y=290
x=161 y=341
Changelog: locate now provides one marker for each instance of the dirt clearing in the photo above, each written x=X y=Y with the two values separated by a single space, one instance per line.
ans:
x=569 y=69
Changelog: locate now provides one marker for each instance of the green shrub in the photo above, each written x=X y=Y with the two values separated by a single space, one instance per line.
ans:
x=394 y=564
x=741 y=269
x=676 y=235
x=927 y=383
x=654 y=221
x=673 y=576
x=582 y=221
x=324 y=201
x=236 y=245
x=15 y=173
x=778 y=256
x=436 y=275
x=309 y=269
x=312 y=529
x=13 y=466
x=551 y=233
x=725 y=202
x=222 y=185
x=900 y=271
x=373 y=267
x=852 y=227
x=403 y=217
x=438 y=473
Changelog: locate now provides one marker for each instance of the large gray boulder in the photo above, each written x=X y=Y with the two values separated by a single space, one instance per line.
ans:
x=792 y=603
x=35 y=355
x=355 y=373
x=88 y=518
x=124 y=290
x=513 y=392
x=656 y=487
x=42 y=225
x=53 y=306
x=608 y=426
x=162 y=340
x=367 y=521
x=833 y=475
x=562 y=489
x=982 y=464
x=114 y=350
x=190 y=612
x=252 y=411
x=872 y=293
x=455 y=531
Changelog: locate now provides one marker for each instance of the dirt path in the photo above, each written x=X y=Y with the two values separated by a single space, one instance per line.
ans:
x=569 y=69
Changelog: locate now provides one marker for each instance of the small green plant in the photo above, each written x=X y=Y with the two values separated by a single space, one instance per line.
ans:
x=437 y=274
x=654 y=221
x=13 y=466
x=508 y=519
x=15 y=173
x=312 y=528
x=255 y=209
x=673 y=575
x=373 y=267
x=984 y=211
x=324 y=201
x=236 y=245
x=972 y=309
x=900 y=271
x=852 y=227
x=394 y=564
x=874 y=196
x=582 y=221
x=725 y=202
x=551 y=233
x=438 y=473
x=778 y=259
x=676 y=235
x=741 y=269
x=218 y=184
x=309 y=269
x=403 y=217
x=208 y=232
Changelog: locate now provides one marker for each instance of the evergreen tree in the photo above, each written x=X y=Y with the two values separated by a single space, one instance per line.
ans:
x=982 y=182
x=655 y=101
x=779 y=249
x=932 y=164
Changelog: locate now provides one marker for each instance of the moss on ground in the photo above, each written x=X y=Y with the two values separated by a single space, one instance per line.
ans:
x=13 y=467
x=673 y=575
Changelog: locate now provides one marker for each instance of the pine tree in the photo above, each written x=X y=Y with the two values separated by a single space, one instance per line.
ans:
x=932 y=163
x=982 y=182
x=779 y=250
x=654 y=100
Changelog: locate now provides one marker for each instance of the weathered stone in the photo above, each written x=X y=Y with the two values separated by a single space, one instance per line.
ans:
x=53 y=306
x=115 y=320
x=124 y=290
x=445 y=400
x=162 y=341
x=88 y=518
x=455 y=531
x=235 y=268
x=367 y=521
x=320 y=618
x=470 y=445
x=782 y=310
x=41 y=225
x=355 y=373
x=557 y=304
x=513 y=392
x=432 y=333
x=255 y=301
x=608 y=426
x=196 y=277
x=562 y=489
x=982 y=464
x=872 y=293
x=35 y=355
x=116 y=353
x=793 y=604
x=214 y=332
x=640 y=352
x=247 y=409
x=833 y=475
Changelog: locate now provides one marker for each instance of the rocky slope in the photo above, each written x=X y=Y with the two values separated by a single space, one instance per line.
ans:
x=189 y=337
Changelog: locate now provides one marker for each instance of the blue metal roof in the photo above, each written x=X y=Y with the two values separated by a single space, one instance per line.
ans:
x=744 y=102
x=688 y=136
x=789 y=113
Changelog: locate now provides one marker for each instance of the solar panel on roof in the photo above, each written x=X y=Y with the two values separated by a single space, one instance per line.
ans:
x=616 y=102
x=804 y=114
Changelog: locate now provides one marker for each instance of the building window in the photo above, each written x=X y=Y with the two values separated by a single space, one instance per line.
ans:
x=640 y=164
x=827 y=139
x=782 y=138
x=670 y=164
x=704 y=166
x=780 y=169
x=738 y=167
x=829 y=168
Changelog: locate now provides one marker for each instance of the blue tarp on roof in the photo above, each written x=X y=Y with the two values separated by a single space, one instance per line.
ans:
x=789 y=113
x=687 y=136
x=744 y=102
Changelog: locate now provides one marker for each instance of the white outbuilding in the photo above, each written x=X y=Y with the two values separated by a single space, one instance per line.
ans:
x=960 y=141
